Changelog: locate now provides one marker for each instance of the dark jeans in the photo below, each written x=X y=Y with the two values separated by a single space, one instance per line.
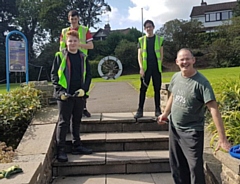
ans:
x=69 y=114
x=186 y=156
x=157 y=82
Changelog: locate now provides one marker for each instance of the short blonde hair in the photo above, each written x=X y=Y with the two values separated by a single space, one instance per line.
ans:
x=72 y=33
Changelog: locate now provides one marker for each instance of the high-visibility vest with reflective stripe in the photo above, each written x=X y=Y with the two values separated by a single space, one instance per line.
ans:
x=63 y=80
x=157 y=48
x=82 y=31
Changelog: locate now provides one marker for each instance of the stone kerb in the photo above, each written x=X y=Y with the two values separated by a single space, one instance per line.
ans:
x=230 y=168
x=164 y=95
x=36 y=150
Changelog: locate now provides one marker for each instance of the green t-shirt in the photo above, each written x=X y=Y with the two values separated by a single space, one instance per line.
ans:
x=189 y=98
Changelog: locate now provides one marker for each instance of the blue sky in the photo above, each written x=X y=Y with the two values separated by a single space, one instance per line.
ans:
x=128 y=13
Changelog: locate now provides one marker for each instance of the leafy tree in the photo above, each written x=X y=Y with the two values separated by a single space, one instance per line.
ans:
x=236 y=10
x=225 y=50
x=133 y=35
x=54 y=14
x=53 y=17
x=7 y=15
x=178 y=34
x=28 y=23
x=126 y=52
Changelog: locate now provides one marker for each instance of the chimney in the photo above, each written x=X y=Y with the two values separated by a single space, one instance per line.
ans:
x=203 y=3
x=107 y=27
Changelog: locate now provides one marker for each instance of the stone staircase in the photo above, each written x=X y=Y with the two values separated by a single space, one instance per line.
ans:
x=122 y=147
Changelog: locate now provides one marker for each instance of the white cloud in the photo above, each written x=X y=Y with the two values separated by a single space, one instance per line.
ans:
x=161 y=11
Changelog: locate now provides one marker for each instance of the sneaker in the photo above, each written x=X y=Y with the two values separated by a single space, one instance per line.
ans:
x=138 y=114
x=157 y=112
x=81 y=150
x=62 y=156
x=86 y=113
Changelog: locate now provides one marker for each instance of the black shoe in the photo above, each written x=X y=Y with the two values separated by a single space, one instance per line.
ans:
x=81 y=150
x=157 y=112
x=138 y=114
x=86 y=113
x=62 y=156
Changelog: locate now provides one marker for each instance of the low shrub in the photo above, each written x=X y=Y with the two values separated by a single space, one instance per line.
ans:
x=228 y=97
x=16 y=111
x=94 y=68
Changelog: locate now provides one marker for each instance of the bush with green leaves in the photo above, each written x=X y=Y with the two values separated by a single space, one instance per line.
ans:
x=16 y=111
x=94 y=68
x=228 y=96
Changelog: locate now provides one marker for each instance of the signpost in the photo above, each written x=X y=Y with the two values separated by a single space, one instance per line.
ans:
x=16 y=56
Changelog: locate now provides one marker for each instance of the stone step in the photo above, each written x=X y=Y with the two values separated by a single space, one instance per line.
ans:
x=151 y=178
x=120 y=122
x=123 y=141
x=125 y=162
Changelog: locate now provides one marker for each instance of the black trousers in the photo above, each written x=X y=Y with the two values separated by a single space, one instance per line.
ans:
x=69 y=114
x=186 y=156
x=157 y=82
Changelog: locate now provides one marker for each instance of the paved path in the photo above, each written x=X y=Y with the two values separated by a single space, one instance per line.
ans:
x=116 y=97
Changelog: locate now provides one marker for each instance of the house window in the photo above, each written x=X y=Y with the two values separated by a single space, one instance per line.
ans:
x=225 y=16
x=218 y=16
x=230 y=13
x=207 y=17
x=212 y=17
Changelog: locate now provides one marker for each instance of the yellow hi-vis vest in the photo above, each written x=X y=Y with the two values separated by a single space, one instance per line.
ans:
x=63 y=80
x=82 y=31
x=157 y=46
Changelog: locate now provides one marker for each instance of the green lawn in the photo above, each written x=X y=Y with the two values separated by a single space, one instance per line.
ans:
x=214 y=76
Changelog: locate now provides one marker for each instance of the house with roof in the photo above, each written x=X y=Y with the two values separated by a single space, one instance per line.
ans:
x=213 y=15
x=102 y=34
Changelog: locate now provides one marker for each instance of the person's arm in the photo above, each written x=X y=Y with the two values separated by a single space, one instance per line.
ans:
x=88 y=45
x=140 y=62
x=163 y=117
x=217 y=119
x=89 y=42
x=88 y=77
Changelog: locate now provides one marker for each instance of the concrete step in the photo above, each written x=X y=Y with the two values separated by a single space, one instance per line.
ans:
x=120 y=122
x=151 y=178
x=123 y=141
x=125 y=162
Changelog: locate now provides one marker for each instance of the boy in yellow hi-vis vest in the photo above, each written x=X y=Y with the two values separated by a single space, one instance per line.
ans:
x=85 y=40
x=150 y=56
x=71 y=78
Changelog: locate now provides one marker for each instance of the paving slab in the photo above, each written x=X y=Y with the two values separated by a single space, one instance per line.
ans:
x=93 y=159
x=157 y=155
x=46 y=115
x=162 y=178
x=119 y=137
x=130 y=179
x=106 y=97
x=127 y=157
x=123 y=117
x=36 y=140
x=81 y=180
x=95 y=118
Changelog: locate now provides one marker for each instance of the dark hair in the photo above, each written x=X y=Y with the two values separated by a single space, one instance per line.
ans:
x=73 y=13
x=148 y=22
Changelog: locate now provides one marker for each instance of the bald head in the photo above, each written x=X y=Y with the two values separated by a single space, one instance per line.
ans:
x=185 y=50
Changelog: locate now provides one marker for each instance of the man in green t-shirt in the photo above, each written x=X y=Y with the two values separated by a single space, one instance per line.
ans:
x=190 y=93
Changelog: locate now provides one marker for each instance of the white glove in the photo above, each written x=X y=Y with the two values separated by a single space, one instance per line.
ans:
x=80 y=93
x=64 y=96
